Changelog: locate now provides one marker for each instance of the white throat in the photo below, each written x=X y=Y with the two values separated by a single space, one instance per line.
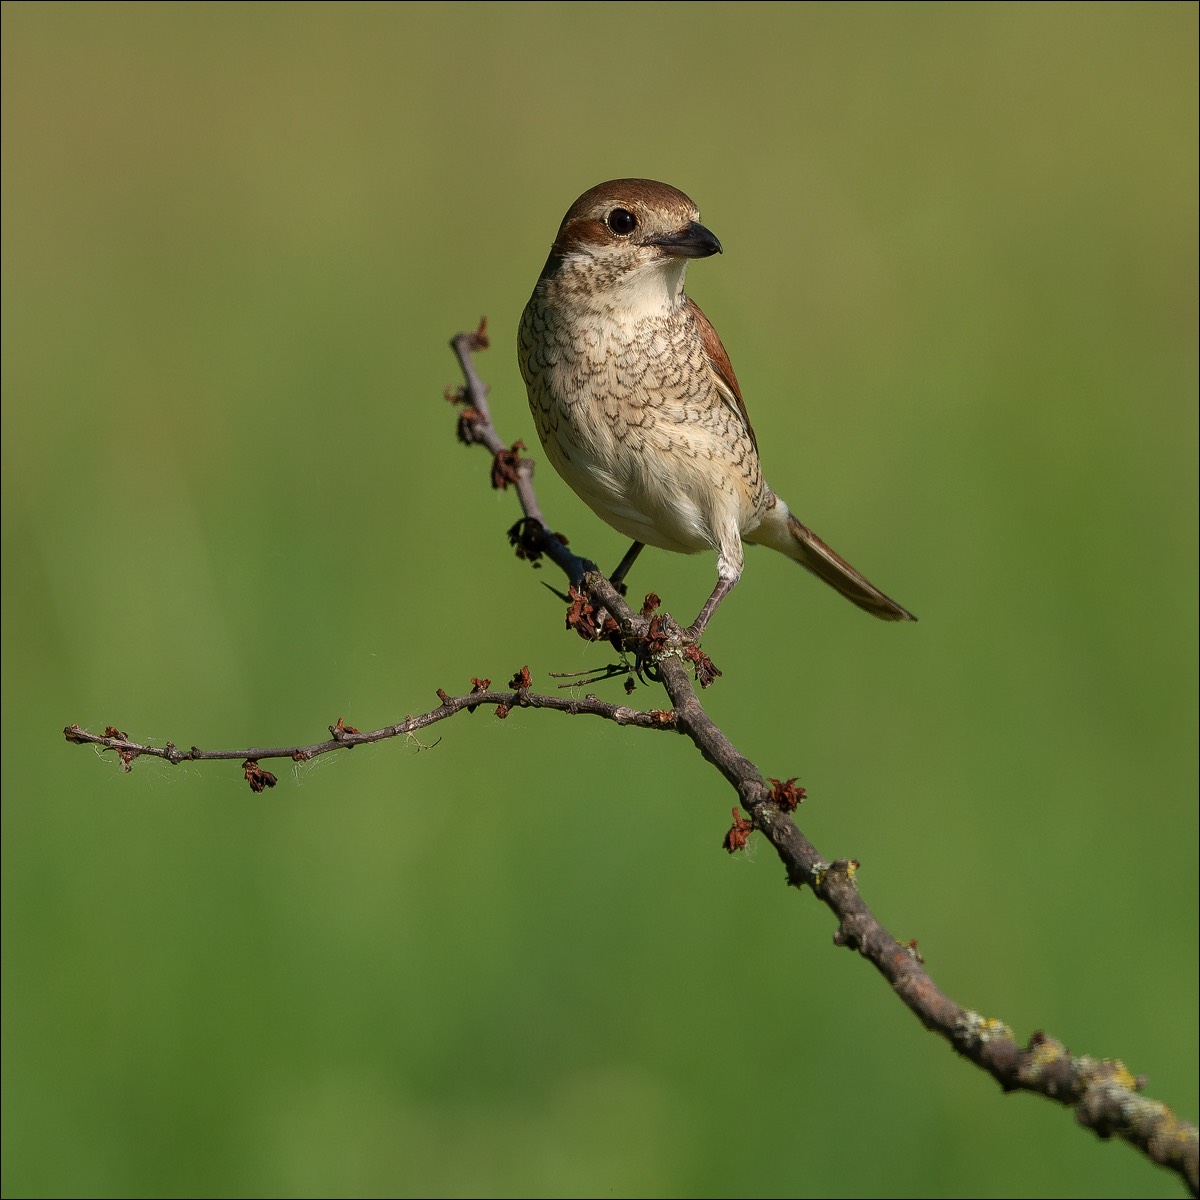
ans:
x=653 y=289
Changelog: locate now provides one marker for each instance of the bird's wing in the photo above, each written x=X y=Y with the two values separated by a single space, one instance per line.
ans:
x=722 y=368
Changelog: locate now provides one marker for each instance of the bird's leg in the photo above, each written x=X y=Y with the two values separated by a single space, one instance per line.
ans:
x=601 y=614
x=723 y=588
x=623 y=566
x=618 y=575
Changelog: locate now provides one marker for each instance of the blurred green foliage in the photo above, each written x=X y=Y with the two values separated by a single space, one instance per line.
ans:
x=959 y=289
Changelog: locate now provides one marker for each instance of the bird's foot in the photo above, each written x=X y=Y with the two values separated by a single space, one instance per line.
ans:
x=665 y=638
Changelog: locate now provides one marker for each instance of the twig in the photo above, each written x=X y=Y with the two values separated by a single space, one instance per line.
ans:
x=346 y=737
x=532 y=537
x=1103 y=1093
x=1105 y=1096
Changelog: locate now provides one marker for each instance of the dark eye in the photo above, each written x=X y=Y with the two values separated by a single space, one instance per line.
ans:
x=621 y=221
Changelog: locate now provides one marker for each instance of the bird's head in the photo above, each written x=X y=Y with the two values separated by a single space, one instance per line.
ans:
x=627 y=242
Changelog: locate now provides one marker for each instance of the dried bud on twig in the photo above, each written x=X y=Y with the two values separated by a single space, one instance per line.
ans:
x=739 y=833
x=258 y=777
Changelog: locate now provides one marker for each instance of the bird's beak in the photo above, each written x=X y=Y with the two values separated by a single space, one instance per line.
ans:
x=692 y=241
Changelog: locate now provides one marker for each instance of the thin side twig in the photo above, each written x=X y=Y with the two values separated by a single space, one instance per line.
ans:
x=346 y=737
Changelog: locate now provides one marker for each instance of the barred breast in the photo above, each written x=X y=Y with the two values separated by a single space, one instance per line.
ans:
x=630 y=416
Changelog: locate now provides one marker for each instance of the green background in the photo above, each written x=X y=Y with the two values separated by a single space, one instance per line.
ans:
x=959 y=289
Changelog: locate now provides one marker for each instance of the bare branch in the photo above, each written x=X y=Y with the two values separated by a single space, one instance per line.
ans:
x=1104 y=1095
x=345 y=737
x=475 y=426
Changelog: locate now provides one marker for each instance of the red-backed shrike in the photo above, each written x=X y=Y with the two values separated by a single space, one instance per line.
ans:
x=636 y=402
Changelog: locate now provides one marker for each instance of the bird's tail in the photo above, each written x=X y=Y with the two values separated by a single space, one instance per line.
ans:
x=781 y=531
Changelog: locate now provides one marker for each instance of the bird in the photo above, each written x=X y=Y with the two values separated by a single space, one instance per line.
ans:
x=636 y=402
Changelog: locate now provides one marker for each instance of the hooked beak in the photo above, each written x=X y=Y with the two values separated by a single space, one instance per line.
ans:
x=692 y=241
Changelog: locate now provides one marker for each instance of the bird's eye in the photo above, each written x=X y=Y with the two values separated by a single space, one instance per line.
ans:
x=621 y=221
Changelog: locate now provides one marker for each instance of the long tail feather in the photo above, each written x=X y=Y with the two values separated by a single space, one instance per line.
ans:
x=799 y=542
x=810 y=552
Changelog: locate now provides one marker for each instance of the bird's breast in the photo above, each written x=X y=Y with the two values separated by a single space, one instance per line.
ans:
x=629 y=415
